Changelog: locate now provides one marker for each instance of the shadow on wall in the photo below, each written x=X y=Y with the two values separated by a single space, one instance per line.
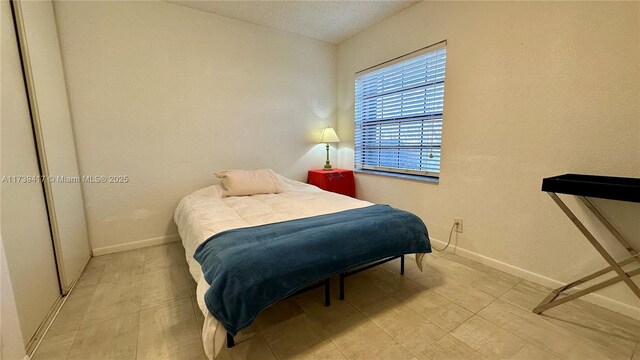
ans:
x=624 y=216
x=316 y=155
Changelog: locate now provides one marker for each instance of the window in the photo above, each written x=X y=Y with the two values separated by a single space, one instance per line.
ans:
x=398 y=114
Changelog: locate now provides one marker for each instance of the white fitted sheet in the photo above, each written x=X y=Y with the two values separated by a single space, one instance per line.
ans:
x=206 y=213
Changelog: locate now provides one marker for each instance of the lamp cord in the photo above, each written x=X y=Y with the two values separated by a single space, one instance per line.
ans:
x=449 y=242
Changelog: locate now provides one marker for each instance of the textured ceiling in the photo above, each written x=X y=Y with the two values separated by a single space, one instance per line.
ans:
x=331 y=21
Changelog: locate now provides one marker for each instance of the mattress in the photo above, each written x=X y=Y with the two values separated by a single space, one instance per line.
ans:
x=206 y=213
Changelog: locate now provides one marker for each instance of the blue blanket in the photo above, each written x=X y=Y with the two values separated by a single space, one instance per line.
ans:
x=251 y=268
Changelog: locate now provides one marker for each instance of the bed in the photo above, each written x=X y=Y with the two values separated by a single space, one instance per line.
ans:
x=205 y=213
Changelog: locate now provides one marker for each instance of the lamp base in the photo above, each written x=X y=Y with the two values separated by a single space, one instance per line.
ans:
x=327 y=164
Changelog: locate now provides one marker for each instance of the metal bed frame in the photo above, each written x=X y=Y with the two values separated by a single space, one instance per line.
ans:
x=356 y=270
x=326 y=283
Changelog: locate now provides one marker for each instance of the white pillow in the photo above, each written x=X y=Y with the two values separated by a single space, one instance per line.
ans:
x=249 y=182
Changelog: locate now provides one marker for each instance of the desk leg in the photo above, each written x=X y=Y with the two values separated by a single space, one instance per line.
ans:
x=551 y=300
x=609 y=227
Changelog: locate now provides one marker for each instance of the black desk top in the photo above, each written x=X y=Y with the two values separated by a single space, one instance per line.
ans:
x=604 y=187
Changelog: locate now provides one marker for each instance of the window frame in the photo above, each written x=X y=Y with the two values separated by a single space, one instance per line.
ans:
x=422 y=120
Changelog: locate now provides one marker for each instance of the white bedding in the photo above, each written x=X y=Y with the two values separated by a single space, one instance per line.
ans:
x=205 y=213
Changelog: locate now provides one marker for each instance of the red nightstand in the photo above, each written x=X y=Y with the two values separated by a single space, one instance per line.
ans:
x=337 y=180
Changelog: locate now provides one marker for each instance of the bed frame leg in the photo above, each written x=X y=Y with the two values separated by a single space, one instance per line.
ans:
x=327 y=292
x=342 y=286
x=402 y=265
x=230 y=341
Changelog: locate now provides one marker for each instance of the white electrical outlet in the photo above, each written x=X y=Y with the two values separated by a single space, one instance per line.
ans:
x=457 y=222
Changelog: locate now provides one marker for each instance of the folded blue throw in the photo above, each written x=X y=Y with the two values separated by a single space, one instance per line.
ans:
x=252 y=268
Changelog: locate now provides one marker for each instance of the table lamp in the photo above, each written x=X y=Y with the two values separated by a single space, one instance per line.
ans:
x=328 y=136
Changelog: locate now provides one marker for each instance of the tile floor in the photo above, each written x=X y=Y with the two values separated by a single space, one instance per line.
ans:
x=455 y=309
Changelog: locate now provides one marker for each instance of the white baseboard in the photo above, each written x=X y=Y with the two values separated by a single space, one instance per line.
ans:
x=135 y=244
x=593 y=298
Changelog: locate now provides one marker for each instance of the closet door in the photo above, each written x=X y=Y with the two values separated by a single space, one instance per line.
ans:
x=25 y=225
x=42 y=61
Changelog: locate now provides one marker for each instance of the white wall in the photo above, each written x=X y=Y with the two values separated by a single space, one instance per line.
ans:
x=11 y=344
x=168 y=95
x=532 y=90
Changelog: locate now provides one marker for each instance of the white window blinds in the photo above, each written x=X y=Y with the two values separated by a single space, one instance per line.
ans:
x=398 y=115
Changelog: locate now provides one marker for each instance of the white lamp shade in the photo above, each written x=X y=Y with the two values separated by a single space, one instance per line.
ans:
x=329 y=136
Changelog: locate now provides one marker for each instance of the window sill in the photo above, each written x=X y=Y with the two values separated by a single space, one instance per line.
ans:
x=427 y=179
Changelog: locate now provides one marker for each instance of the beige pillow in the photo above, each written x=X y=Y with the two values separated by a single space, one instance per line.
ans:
x=249 y=182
